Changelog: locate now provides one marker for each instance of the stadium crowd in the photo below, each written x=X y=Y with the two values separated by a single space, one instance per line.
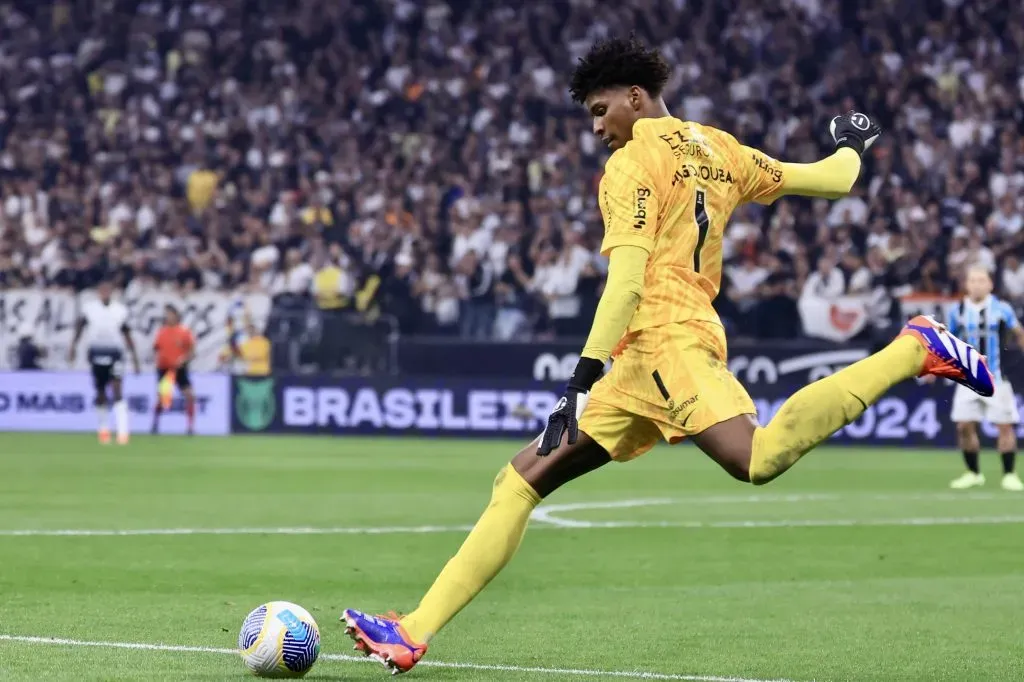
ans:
x=422 y=160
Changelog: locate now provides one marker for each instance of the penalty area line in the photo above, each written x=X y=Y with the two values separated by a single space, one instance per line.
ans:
x=583 y=672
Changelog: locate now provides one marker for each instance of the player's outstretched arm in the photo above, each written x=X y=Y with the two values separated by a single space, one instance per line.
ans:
x=830 y=178
x=833 y=177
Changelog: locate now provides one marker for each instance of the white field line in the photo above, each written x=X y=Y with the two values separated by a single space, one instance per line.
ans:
x=619 y=674
x=123 y=532
x=546 y=515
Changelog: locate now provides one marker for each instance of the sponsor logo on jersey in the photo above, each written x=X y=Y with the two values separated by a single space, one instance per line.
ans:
x=774 y=172
x=640 y=213
x=675 y=408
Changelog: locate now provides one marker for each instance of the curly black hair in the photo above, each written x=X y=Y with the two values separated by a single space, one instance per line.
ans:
x=618 y=62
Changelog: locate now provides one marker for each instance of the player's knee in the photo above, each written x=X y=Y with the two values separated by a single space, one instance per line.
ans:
x=743 y=473
x=534 y=470
x=565 y=463
x=738 y=463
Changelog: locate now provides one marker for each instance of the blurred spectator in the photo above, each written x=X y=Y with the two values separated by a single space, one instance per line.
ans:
x=29 y=354
x=295 y=280
x=827 y=281
x=432 y=145
x=254 y=352
x=332 y=291
x=1013 y=279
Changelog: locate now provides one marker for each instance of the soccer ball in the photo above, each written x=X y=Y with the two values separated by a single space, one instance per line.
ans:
x=279 y=639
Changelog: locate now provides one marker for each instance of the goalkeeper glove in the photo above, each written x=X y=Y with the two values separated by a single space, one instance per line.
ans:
x=854 y=130
x=565 y=416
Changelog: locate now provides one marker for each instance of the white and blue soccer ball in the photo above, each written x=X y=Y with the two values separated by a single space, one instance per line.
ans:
x=279 y=639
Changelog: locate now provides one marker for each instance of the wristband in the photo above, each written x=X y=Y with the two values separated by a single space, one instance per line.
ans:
x=586 y=374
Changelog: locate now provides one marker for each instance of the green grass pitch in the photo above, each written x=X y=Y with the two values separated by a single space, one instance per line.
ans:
x=858 y=565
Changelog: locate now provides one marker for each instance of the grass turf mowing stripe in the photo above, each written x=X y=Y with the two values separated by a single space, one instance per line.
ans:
x=552 y=524
x=619 y=674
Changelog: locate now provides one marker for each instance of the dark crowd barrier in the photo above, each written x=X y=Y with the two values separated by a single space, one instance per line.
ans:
x=911 y=414
x=759 y=363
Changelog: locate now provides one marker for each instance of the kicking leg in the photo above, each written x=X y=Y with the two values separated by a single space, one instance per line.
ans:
x=820 y=409
x=518 y=489
x=970 y=445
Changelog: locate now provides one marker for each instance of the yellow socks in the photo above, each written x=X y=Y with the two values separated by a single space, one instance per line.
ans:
x=491 y=544
x=818 y=410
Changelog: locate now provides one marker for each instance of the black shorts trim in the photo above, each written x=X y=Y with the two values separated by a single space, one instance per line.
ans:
x=106 y=366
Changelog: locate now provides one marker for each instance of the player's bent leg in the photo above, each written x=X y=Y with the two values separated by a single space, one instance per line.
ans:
x=810 y=415
x=730 y=445
x=494 y=540
x=817 y=411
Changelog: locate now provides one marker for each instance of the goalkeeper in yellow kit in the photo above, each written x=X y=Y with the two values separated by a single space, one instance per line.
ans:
x=666 y=196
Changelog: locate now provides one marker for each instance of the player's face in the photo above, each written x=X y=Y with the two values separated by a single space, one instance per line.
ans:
x=614 y=111
x=978 y=285
x=170 y=318
x=105 y=291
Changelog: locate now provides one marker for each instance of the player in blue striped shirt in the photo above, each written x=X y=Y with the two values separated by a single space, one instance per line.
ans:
x=984 y=321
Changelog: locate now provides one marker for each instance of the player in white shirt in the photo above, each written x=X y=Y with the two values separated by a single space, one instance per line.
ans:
x=107 y=323
x=984 y=321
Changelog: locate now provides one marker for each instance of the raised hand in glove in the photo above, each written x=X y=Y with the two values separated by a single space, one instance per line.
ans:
x=854 y=130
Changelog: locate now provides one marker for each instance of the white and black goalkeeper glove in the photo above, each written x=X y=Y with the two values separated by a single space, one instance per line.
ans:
x=854 y=130
x=565 y=416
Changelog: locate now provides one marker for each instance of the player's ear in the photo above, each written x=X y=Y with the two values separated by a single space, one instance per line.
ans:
x=636 y=97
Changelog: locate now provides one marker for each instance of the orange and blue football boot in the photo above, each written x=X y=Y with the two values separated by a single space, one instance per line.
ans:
x=383 y=639
x=949 y=357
